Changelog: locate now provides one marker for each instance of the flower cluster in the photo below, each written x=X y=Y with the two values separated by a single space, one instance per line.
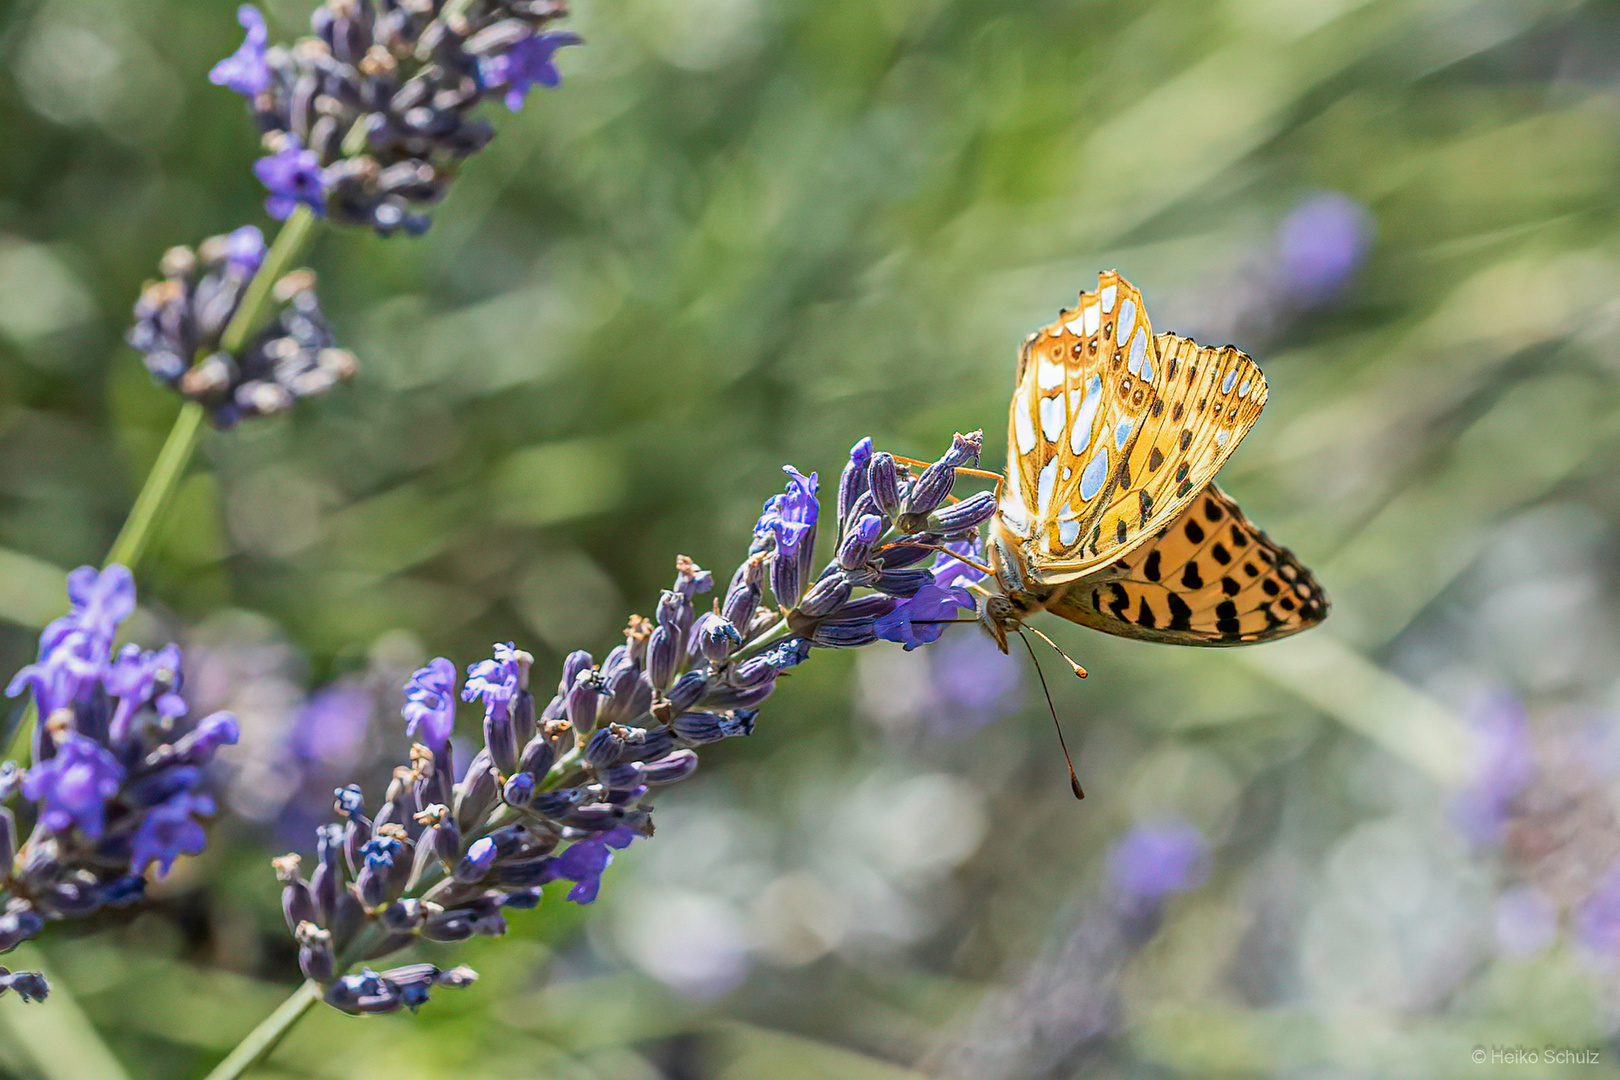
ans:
x=555 y=790
x=180 y=320
x=367 y=119
x=116 y=784
x=889 y=524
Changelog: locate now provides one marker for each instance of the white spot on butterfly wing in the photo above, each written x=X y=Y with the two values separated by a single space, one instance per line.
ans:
x=1140 y=363
x=1044 y=484
x=1243 y=391
x=1091 y=481
x=1052 y=417
x=1080 y=433
x=1107 y=297
x=1048 y=374
x=1127 y=320
x=1013 y=507
x=1023 y=428
x=1093 y=319
x=1122 y=431
x=1226 y=384
x=1068 y=531
x=1221 y=436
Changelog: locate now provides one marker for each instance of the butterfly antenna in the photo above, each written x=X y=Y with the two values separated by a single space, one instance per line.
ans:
x=1078 y=670
x=1074 y=780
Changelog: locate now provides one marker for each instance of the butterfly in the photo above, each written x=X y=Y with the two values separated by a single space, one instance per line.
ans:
x=1108 y=515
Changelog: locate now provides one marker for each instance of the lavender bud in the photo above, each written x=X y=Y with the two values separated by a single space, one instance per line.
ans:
x=725 y=698
x=675 y=613
x=903 y=582
x=500 y=737
x=714 y=638
x=477 y=793
x=883 y=480
x=315 y=957
x=19 y=923
x=523 y=726
x=575 y=662
x=348 y=916
x=8 y=842
x=623 y=776
x=348 y=801
x=538 y=756
x=785 y=579
x=582 y=700
x=526 y=874
x=743 y=596
x=446 y=842
x=297 y=904
x=925 y=495
x=898 y=555
x=28 y=985
x=856 y=550
x=605 y=747
x=402 y=916
x=754 y=671
x=687 y=691
x=454 y=925
x=852 y=483
x=519 y=789
x=844 y=633
x=826 y=596
x=971 y=512
x=672 y=767
x=702 y=727
x=663 y=654
x=476 y=863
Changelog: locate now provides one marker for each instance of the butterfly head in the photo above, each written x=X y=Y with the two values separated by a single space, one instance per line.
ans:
x=1020 y=597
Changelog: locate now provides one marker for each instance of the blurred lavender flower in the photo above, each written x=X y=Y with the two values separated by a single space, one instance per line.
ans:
x=116 y=784
x=180 y=320
x=1158 y=859
x=1320 y=245
x=555 y=790
x=1504 y=764
x=368 y=118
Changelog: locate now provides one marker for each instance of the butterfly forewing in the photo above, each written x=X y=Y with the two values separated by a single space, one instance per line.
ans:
x=1113 y=431
x=1208 y=578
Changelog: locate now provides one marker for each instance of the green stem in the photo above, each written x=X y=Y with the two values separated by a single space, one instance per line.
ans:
x=264 y=1038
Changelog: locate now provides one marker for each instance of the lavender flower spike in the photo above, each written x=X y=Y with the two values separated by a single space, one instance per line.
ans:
x=368 y=118
x=117 y=782
x=559 y=787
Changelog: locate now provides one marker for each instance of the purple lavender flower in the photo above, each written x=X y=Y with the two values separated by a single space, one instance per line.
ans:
x=245 y=71
x=1155 y=860
x=557 y=788
x=430 y=702
x=293 y=175
x=244 y=251
x=527 y=64
x=586 y=861
x=1597 y=918
x=923 y=618
x=74 y=786
x=116 y=779
x=171 y=830
x=1504 y=763
x=496 y=680
x=790 y=518
x=1321 y=243
x=950 y=571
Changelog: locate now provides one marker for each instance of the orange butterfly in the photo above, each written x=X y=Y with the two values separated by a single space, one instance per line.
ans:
x=1108 y=515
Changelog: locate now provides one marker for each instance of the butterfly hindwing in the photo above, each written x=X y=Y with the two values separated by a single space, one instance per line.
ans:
x=1208 y=578
x=1114 y=430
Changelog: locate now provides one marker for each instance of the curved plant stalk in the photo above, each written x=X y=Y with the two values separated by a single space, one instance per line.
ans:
x=262 y=1040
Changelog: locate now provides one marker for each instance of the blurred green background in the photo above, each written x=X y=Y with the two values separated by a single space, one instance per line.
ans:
x=746 y=233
